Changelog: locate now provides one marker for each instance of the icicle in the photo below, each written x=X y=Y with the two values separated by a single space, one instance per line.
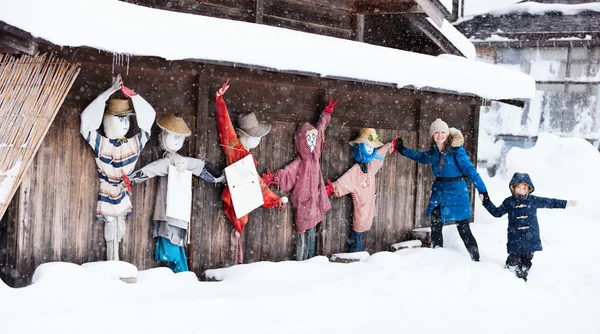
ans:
x=128 y=57
x=113 y=63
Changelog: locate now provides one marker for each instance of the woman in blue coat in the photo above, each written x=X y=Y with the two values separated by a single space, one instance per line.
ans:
x=449 y=201
x=523 y=228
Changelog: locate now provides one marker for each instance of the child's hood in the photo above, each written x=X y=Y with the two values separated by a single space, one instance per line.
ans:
x=521 y=178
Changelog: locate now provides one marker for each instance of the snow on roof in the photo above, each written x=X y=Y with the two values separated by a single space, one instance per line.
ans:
x=504 y=7
x=456 y=38
x=535 y=8
x=125 y=28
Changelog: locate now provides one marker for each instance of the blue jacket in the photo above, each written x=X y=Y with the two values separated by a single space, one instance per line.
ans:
x=523 y=228
x=452 y=197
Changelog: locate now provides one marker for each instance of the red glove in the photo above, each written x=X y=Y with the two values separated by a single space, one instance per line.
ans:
x=127 y=181
x=126 y=91
x=223 y=89
x=268 y=178
x=329 y=188
x=330 y=106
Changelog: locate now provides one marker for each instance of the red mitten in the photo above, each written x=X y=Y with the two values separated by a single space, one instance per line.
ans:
x=329 y=188
x=127 y=181
x=223 y=89
x=268 y=178
x=127 y=92
x=330 y=106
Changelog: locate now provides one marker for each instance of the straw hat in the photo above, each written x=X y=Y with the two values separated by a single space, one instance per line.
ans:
x=119 y=107
x=369 y=137
x=175 y=124
x=249 y=125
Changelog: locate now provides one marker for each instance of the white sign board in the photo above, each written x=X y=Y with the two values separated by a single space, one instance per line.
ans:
x=179 y=194
x=243 y=184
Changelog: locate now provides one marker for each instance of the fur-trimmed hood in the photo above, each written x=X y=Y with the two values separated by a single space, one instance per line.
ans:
x=457 y=137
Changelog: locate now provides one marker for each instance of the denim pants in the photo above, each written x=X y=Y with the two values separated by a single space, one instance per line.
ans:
x=305 y=245
x=464 y=230
x=355 y=242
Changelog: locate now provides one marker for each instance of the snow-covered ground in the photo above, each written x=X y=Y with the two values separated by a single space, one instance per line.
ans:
x=416 y=290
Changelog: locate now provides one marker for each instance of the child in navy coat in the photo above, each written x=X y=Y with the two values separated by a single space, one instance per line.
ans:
x=523 y=228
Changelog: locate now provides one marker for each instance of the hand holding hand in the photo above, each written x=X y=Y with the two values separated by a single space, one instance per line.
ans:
x=484 y=197
x=282 y=203
x=571 y=203
x=330 y=106
x=268 y=178
x=329 y=188
x=223 y=89
x=398 y=144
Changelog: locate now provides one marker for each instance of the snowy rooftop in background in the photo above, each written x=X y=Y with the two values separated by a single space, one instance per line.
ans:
x=144 y=31
x=504 y=7
x=457 y=38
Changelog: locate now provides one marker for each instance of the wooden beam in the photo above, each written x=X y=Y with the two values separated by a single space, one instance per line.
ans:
x=14 y=40
x=383 y=6
x=359 y=27
x=259 y=11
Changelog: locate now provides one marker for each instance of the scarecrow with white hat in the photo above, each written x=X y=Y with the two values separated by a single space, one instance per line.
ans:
x=172 y=211
x=304 y=178
x=359 y=181
x=236 y=144
x=115 y=155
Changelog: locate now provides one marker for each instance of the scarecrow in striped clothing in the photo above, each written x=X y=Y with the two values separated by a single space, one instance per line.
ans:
x=359 y=181
x=115 y=155
x=172 y=229
x=304 y=178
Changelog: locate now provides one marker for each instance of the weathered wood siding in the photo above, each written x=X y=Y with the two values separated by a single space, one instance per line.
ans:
x=52 y=216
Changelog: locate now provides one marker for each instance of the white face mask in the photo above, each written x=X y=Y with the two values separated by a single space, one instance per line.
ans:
x=311 y=139
x=115 y=127
x=369 y=149
x=249 y=142
x=171 y=142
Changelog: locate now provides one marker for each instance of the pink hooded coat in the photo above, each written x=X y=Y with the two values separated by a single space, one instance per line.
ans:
x=303 y=175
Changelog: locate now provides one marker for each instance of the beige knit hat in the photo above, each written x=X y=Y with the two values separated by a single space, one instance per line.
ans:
x=438 y=126
x=175 y=124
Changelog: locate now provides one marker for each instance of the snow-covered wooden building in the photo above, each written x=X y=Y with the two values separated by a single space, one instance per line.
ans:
x=557 y=42
x=394 y=65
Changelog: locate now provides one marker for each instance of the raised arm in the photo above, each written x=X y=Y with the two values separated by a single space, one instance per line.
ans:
x=420 y=157
x=467 y=168
x=325 y=117
x=227 y=135
x=91 y=117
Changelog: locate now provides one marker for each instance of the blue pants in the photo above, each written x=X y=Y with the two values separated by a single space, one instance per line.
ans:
x=355 y=242
x=174 y=255
x=305 y=245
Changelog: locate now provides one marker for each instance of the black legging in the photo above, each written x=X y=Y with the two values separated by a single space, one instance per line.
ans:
x=464 y=230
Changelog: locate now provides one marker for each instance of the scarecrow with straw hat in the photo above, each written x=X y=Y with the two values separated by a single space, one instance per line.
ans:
x=236 y=144
x=359 y=181
x=115 y=155
x=304 y=178
x=172 y=211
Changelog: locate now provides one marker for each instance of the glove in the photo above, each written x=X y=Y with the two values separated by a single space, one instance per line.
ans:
x=363 y=167
x=268 y=178
x=398 y=144
x=127 y=181
x=330 y=106
x=571 y=203
x=329 y=188
x=126 y=91
x=484 y=197
x=223 y=89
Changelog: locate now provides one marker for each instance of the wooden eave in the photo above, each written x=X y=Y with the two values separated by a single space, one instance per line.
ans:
x=525 y=26
x=14 y=40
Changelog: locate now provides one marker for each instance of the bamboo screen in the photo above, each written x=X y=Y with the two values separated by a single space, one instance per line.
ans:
x=32 y=89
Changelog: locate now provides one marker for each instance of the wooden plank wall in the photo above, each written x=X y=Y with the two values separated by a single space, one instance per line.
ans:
x=55 y=205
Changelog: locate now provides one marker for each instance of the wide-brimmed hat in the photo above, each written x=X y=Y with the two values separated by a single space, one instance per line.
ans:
x=369 y=137
x=119 y=107
x=175 y=124
x=249 y=125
